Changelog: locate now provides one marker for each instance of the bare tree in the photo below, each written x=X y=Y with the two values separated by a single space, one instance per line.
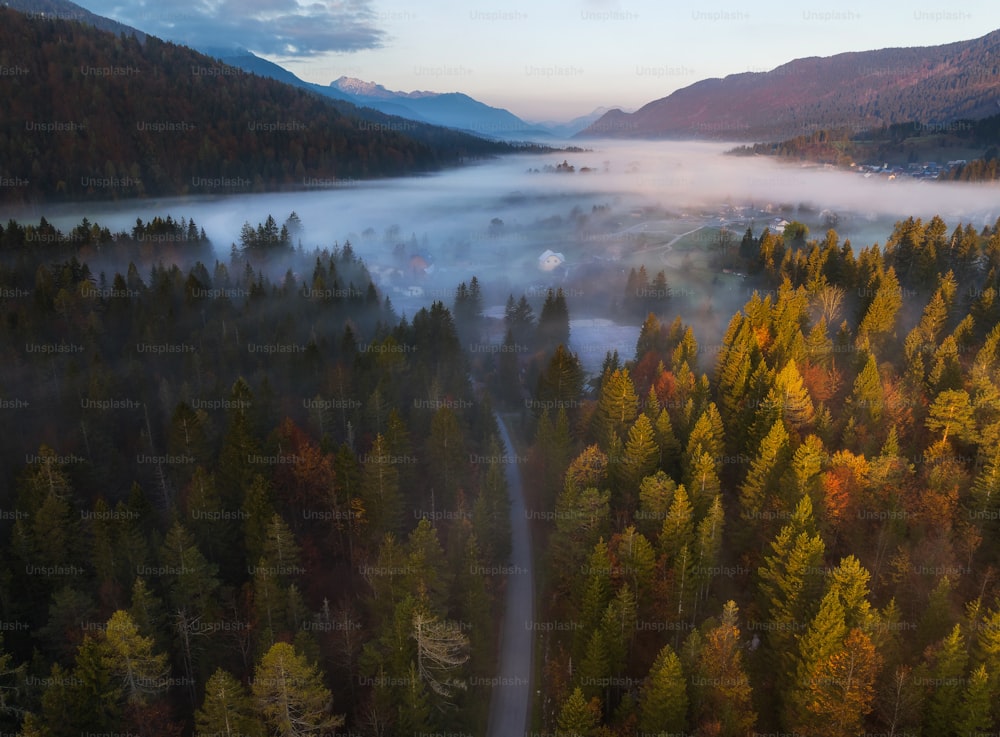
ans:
x=827 y=303
x=441 y=647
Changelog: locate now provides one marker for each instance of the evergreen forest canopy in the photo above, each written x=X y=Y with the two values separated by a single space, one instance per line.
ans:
x=97 y=116
x=229 y=493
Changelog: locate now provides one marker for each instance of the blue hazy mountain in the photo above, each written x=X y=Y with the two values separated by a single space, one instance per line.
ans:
x=449 y=109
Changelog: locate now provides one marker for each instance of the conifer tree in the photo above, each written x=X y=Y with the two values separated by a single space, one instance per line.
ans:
x=758 y=491
x=289 y=694
x=130 y=658
x=677 y=530
x=723 y=703
x=656 y=494
x=866 y=402
x=617 y=407
x=843 y=687
x=380 y=489
x=790 y=580
x=561 y=384
x=663 y=700
x=578 y=717
x=641 y=455
x=943 y=708
x=706 y=437
x=553 y=322
x=975 y=715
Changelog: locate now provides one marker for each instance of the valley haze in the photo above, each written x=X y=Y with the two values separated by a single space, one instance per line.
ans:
x=654 y=192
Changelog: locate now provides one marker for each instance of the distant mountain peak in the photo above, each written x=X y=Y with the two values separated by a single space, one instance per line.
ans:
x=360 y=88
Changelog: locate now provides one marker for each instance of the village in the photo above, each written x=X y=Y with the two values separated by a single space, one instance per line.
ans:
x=923 y=171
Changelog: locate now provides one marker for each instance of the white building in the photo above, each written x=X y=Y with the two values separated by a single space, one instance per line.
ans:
x=550 y=260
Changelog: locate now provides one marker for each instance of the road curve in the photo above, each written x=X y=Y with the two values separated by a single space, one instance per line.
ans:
x=510 y=702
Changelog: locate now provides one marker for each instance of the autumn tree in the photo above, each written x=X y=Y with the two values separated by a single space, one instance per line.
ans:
x=722 y=700
x=289 y=694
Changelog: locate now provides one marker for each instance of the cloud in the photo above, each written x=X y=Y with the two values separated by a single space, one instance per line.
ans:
x=277 y=27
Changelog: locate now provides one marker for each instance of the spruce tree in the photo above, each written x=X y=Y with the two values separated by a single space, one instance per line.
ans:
x=663 y=700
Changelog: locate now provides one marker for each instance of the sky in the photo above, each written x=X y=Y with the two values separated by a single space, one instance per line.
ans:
x=548 y=60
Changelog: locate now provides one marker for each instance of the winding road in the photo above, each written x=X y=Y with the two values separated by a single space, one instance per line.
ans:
x=510 y=703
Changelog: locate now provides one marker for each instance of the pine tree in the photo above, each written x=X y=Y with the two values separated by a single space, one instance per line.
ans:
x=656 y=494
x=595 y=665
x=520 y=319
x=705 y=485
x=951 y=413
x=617 y=407
x=129 y=657
x=290 y=695
x=790 y=580
x=593 y=596
x=641 y=456
x=758 y=491
x=578 y=717
x=428 y=573
x=663 y=700
x=191 y=587
x=975 y=715
x=707 y=436
x=380 y=490
x=708 y=545
x=553 y=322
x=491 y=513
x=561 y=384
x=637 y=559
x=650 y=337
x=618 y=627
x=881 y=315
x=942 y=709
x=843 y=687
x=790 y=395
x=414 y=711
x=227 y=710
x=866 y=402
x=447 y=456
x=582 y=518
x=723 y=690
x=668 y=447
x=677 y=530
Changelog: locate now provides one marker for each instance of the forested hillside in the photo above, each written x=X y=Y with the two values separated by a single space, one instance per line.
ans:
x=903 y=143
x=100 y=116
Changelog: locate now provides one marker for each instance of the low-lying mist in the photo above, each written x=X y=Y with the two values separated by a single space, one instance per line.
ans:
x=615 y=206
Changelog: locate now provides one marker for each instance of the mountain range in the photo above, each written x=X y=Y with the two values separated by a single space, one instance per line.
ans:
x=450 y=109
x=858 y=90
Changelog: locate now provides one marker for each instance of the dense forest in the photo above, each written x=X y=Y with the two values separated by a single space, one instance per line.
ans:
x=793 y=530
x=100 y=116
x=220 y=477
x=246 y=488
x=901 y=143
